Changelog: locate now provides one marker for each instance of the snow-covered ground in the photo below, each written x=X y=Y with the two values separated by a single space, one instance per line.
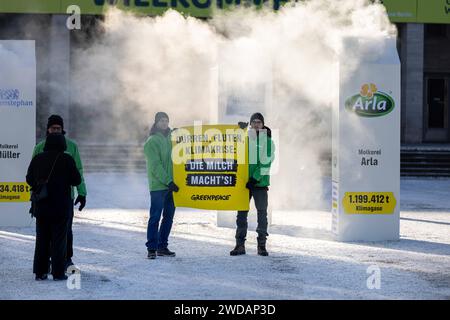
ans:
x=304 y=261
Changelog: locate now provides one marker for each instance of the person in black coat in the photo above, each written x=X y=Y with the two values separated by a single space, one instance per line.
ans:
x=53 y=212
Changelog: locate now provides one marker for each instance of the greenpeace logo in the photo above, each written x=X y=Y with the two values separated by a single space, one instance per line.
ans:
x=11 y=98
x=209 y=197
x=370 y=102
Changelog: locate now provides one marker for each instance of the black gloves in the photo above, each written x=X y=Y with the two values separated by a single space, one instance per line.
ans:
x=173 y=187
x=242 y=125
x=251 y=184
x=82 y=201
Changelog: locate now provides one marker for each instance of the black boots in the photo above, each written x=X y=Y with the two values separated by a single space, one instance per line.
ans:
x=262 y=250
x=262 y=247
x=165 y=253
x=40 y=277
x=151 y=254
x=238 y=250
x=60 y=278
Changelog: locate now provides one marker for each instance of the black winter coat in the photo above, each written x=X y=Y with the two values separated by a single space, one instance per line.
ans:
x=59 y=202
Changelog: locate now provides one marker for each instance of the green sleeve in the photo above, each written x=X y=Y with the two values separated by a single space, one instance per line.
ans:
x=153 y=156
x=38 y=149
x=34 y=152
x=265 y=161
x=81 y=188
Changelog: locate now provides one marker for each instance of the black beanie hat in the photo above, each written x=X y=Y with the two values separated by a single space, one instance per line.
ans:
x=160 y=115
x=55 y=119
x=258 y=116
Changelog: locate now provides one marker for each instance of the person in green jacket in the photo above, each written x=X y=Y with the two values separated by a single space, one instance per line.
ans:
x=158 y=154
x=261 y=151
x=55 y=124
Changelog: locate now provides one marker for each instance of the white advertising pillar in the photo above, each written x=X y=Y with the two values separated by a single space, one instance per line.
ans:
x=17 y=128
x=366 y=142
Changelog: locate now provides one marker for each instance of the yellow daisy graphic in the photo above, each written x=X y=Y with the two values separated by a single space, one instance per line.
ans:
x=368 y=90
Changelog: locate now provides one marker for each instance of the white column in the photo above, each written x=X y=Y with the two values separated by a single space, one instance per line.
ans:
x=59 y=69
x=17 y=128
x=412 y=57
x=366 y=143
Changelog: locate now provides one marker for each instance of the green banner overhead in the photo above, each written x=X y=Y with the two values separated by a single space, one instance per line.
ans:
x=148 y=7
x=401 y=10
x=433 y=11
x=30 y=6
x=418 y=11
x=196 y=8
x=414 y=11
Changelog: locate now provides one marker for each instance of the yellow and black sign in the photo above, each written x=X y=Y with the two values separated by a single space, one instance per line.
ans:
x=210 y=165
x=14 y=192
x=369 y=202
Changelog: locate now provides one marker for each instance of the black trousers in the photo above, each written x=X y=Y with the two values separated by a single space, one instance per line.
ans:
x=70 y=237
x=54 y=232
x=69 y=253
x=261 y=202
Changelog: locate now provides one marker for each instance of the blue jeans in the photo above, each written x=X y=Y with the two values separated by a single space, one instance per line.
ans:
x=161 y=203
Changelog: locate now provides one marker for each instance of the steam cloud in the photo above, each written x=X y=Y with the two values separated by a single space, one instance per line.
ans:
x=141 y=65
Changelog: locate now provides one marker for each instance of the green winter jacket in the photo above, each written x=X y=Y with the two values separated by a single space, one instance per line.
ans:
x=261 y=154
x=72 y=149
x=158 y=153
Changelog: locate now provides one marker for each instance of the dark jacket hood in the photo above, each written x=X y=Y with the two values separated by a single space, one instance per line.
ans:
x=55 y=142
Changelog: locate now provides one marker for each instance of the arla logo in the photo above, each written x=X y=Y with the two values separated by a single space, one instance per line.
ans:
x=370 y=102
